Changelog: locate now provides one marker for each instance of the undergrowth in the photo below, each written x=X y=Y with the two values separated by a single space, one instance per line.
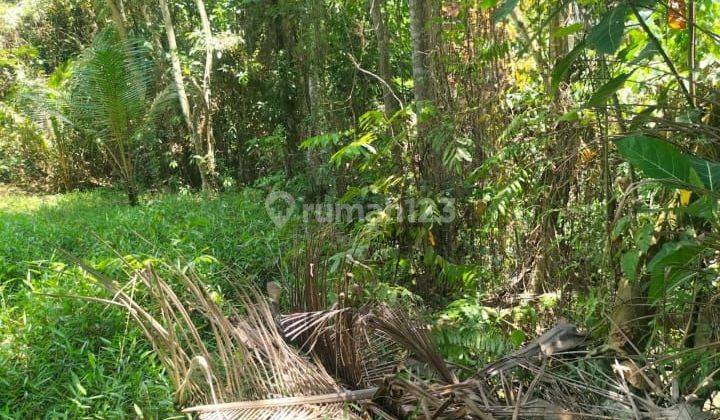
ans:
x=61 y=356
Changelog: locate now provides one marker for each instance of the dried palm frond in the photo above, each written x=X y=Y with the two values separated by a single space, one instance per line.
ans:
x=311 y=325
x=335 y=334
x=572 y=385
x=241 y=367
x=303 y=412
x=212 y=360
x=310 y=407
x=409 y=331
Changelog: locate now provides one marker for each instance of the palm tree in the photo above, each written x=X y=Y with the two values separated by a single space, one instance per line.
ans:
x=45 y=104
x=110 y=99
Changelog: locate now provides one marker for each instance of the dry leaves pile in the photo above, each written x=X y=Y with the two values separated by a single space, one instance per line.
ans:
x=353 y=360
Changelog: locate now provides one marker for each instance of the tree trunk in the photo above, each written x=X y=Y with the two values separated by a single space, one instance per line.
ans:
x=118 y=19
x=384 y=70
x=286 y=62
x=419 y=37
x=182 y=96
x=132 y=194
x=63 y=159
x=157 y=44
x=561 y=152
x=317 y=122
x=424 y=35
x=205 y=129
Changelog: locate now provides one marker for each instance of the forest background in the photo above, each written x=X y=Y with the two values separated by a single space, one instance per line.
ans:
x=578 y=141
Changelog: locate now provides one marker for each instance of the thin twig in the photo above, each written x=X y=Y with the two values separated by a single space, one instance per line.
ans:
x=380 y=79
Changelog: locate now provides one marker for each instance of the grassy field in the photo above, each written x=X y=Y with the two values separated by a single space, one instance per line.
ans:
x=69 y=357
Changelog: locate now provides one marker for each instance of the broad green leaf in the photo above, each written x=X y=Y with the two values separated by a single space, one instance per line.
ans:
x=606 y=36
x=603 y=93
x=504 y=10
x=562 y=66
x=621 y=55
x=570 y=116
x=658 y=159
x=709 y=172
x=629 y=263
x=671 y=265
x=704 y=207
x=568 y=30
x=648 y=52
x=663 y=161
x=620 y=226
x=644 y=237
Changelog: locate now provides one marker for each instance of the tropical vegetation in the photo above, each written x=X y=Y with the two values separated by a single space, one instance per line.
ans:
x=422 y=187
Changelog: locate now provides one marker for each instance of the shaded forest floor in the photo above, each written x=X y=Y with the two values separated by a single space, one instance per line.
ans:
x=68 y=356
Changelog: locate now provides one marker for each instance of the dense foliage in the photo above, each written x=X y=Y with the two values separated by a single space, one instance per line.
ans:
x=523 y=160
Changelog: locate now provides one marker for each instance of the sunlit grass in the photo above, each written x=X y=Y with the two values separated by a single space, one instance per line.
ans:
x=70 y=357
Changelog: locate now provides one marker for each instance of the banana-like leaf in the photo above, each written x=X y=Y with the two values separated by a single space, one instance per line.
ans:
x=658 y=159
x=671 y=266
x=648 y=52
x=568 y=30
x=607 y=35
x=629 y=264
x=663 y=161
x=709 y=172
x=562 y=66
x=603 y=93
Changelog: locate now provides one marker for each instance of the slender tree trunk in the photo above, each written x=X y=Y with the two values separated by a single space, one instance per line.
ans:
x=285 y=53
x=205 y=129
x=424 y=34
x=124 y=160
x=62 y=157
x=118 y=18
x=691 y=51
x=157 y=44
x=419 y=38
x=383 y=45
x=317 y=123
x=132 y=194
x=557 y=178
x=182 y=96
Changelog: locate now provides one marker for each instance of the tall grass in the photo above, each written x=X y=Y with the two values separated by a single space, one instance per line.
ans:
x=67 y=357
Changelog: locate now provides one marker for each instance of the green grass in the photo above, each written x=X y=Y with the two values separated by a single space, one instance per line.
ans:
x=70 y=358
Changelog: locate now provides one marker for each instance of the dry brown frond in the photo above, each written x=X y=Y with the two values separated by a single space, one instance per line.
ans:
x=241 y=367
x=212 y=361
x=409 y=331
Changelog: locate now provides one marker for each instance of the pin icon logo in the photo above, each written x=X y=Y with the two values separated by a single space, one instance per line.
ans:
x=279 y=206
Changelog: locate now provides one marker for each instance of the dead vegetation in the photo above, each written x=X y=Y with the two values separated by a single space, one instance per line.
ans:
x=358 y=358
